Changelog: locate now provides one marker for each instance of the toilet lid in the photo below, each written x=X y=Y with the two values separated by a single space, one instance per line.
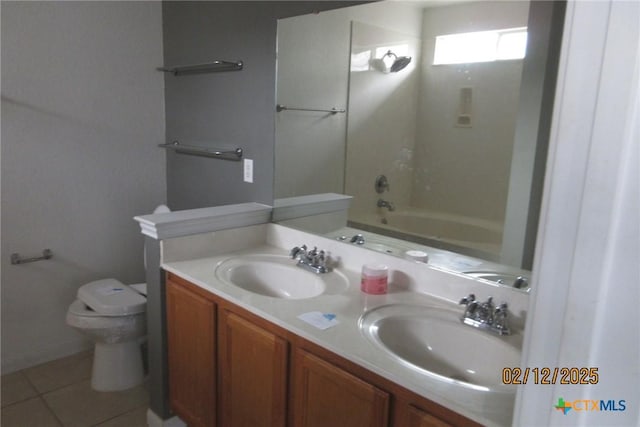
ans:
x=110 y=297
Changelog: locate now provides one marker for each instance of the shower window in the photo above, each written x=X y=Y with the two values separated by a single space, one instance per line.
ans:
x=480 y=46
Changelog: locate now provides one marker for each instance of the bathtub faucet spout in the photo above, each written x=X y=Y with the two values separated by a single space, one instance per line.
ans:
x=386 y=204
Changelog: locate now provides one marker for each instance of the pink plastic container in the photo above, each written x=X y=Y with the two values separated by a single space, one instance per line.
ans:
x=374 y=279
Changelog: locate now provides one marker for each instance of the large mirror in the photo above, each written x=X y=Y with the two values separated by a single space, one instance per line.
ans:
x=431 y=116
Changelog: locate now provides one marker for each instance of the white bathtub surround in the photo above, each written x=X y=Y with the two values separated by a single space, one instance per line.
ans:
x=439 y=258
x=464 y=234
x=409 y=283
x=449 y=160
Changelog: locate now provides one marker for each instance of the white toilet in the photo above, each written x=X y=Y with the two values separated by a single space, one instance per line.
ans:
x=113 y=315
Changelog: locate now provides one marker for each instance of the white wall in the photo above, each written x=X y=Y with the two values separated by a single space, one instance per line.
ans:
x=465 y=171
x=82 y=112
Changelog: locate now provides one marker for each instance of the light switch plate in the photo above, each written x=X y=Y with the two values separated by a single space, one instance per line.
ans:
x=248 y=170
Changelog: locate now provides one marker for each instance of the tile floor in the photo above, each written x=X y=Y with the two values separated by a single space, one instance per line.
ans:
x=59 y=394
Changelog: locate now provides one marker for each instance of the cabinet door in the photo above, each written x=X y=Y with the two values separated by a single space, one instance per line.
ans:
x=253 y=374
x=325 y=395
x=191 y=353
x=420 y=418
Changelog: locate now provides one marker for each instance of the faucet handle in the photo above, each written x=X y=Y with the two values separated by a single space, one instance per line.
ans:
x=296 y=251
x=488 y=304
x=501 y=311
x=500 y=319
x=320 y=259
x=468 y=299
x=472 y=305
x=357 y=239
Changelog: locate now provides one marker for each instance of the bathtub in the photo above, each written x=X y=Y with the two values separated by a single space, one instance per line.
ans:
x=470 y=236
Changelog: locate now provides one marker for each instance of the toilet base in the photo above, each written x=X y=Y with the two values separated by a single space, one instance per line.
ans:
x=117 y=366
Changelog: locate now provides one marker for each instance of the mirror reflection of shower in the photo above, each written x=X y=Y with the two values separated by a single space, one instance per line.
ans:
x=440 y=129
x=390 y=62
x=381 y=184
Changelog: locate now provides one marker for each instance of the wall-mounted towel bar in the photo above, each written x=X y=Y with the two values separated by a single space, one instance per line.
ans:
x=203 y=151
x=209 y=67
x=15 y=257
x=333 y=110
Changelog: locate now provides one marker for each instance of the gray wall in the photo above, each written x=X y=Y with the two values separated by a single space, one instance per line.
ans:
x=82 y=113
x=226 y=110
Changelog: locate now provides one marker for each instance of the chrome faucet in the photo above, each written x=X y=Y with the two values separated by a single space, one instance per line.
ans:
x=485 y=315
x=358 y=239
x=386 y=204
x=312 y=260
x=521 y=282
x=471 y=304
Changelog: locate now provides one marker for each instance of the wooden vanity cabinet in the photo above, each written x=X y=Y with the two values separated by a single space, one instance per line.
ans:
x=232 y=368
x=191 y=331
x=224 y=369
x=418 y=418
x=325 y=395
x=252 y=374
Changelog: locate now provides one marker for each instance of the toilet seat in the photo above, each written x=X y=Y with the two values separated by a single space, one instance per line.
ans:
x=110 y=298
x=78 y=308
x=140 y=288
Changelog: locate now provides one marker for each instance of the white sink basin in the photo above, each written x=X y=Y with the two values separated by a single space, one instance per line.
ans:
x=278 y=276
x=435 y=342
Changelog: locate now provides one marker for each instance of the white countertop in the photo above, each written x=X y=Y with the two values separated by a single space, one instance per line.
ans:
x=346 y=338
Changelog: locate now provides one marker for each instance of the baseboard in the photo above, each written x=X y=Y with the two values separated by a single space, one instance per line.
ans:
x=12 y=363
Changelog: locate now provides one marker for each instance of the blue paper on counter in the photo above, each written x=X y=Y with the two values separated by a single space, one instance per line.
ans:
x=319 y=320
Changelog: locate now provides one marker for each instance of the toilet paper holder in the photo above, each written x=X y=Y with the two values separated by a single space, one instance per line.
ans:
x=15 y=257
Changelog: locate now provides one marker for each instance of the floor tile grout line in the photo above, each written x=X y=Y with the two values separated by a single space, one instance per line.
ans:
x=64 y=386
x=24 y=376
x=52 y=411
x=44 y=402
x=19 y=401
x=119 y=415
x=60 y=387
x=42 y=396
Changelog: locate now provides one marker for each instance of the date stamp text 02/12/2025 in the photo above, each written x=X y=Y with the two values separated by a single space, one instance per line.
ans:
x=550 y=376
